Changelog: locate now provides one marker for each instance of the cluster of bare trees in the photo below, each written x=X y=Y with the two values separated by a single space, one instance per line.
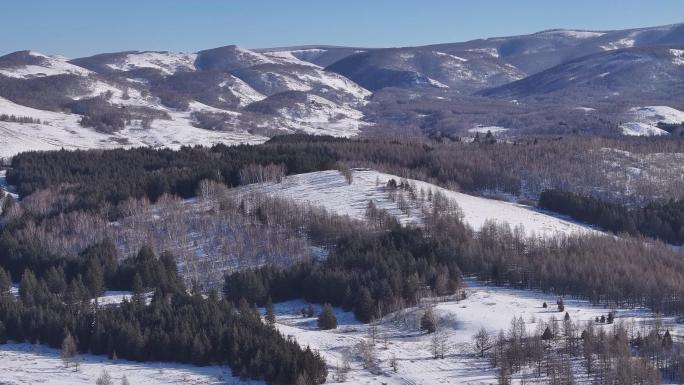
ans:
x=558 y=351
x=256 y=173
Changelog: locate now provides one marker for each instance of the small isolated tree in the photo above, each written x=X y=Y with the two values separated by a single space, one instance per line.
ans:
x=428 y=323
x=561 y=305
x=567 y=316
x=104 y=379
x=547 y=335
x=544 y=305
x=610 y=318
x=346 y=172
x=327 y=319
x=482 y=340
x=439 y=344
x=366 y=351
x=270 y=313
x=343 y=367
x=69 y=351
x=394 y=364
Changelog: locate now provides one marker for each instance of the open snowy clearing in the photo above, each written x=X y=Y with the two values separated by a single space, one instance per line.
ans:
x=486 y=129
x=398 y=334
x=25 y=364
x=330 y=190
x=646 y=119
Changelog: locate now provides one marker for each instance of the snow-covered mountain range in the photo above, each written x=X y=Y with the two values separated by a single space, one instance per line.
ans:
x=236 y=95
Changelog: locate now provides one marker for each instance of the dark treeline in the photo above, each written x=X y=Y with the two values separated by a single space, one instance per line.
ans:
x=18 y=119
x=663 y=221
x=97 y=267
x=568 y=163
x=386 y=271
x=174 y=326
x=369 y=274
x=116 y=175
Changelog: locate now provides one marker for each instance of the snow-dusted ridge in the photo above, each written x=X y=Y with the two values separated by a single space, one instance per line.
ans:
x=330 y=190
x=49 y=65
x=63 y=131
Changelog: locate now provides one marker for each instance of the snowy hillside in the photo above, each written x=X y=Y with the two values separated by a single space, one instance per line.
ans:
x=398 y=335
x=329 y=189
x=35 y=64
x=645 y=120
x=62 y=130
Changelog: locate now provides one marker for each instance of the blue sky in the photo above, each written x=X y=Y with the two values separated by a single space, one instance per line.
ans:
x=79 y=27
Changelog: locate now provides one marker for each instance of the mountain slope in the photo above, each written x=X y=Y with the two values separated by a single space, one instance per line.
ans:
x=652 y=73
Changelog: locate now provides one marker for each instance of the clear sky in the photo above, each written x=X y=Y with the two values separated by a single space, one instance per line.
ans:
x=83 y=27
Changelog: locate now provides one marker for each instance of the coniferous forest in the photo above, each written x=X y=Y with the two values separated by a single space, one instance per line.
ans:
x=372 y=267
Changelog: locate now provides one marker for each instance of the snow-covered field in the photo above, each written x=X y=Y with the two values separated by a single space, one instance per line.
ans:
x=24 y=364
x=486 y=129
x=646 y=119
x=330 y=190
x=62 y=130
x=397 y=334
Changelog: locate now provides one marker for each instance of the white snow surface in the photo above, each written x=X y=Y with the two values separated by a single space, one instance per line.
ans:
x=458 y=58
x=645 y=120
x=578 y=34
x=485 y=129
x=641 y=129
x=166 y=62
x=330 y=190
x=51 y=65
x=622 y=43
x=678 y=56
x=23 y=364
x=62 y=130
x=485 y=306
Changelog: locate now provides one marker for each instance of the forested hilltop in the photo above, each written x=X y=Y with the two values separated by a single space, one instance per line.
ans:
x=68 y=240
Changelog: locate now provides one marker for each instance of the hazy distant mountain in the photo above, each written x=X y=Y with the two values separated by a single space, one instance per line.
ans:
x=588 y=80
x=644 y=73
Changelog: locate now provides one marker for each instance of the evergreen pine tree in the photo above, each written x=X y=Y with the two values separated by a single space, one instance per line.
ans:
x=428 y=323
x=327 y=319
x=94 y=278
x=270 y=313
x=5 y=282
x=69 y=351
x=364 y=305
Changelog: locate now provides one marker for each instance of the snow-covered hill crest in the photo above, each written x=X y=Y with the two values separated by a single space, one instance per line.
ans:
x=331 y=190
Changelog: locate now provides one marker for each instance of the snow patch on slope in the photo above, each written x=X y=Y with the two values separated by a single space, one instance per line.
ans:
x=457 y=58
x=485 y=129
x=641 y=129
x=49 y=66
x=678 y=56
x=645 y=120
x=166 y=62
x=62 y=130
x=622 y=43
